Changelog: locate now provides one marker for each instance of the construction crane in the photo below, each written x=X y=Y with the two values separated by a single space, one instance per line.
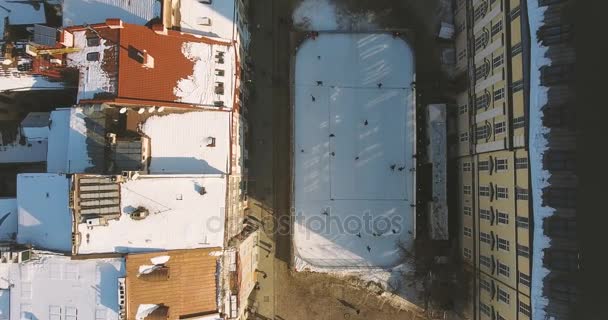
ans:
x=34 y=51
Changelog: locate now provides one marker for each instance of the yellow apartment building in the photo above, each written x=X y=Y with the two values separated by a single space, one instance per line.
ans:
x=492 y=156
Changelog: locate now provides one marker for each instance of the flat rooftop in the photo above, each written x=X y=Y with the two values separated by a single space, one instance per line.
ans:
x=180 y=217
x=78 y=12
x=193 y=142
x=56 y=287
x=44 y=215
x=354 y=141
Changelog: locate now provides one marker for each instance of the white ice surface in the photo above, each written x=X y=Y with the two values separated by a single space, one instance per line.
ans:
x=61 y=286
x=8 y=218
x=5 y=304
x=93 y=79
x=199 y=88
x=220 y=12
x=78 y=12
x=538 y=145
x=179 y=142
x=351 y=66
x=180 y=217
x=45 y=219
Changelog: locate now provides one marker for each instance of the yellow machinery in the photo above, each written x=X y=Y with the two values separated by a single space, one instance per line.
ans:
x=34 y=51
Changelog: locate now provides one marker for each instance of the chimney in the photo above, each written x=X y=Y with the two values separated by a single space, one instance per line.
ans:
x=114 y=23
x=159 y=28
x=67 y=39
x=148 y=60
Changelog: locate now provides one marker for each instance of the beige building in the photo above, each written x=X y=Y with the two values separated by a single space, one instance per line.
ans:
x=492 y=156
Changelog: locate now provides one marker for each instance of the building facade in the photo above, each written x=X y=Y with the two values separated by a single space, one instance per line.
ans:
x=491 y=154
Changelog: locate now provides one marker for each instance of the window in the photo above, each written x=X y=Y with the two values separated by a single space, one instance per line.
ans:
x=485 y=261
x=93 y=42
x=485 y=238
x=521 y=194
x=523 y=222
x=503 y=244
x=464 y=137
x=460 y=28
x=93 y=56
x=523 y=251
x=467 y=211
x=515 y=13
x=467 y=253
x=484 y=191
x=516 y=49
x=502 y=193
x=503 y=296
x=503 y=269
x=500 y=127
x=503 y=218
x=517 y=85
x=484 y=285
x=483 y=165
x=497 y=61
x=462 y=54
x=481 y=132
x=466 y=189
x=481 y=101
x=496 y=28
x=502 y=164
x=485 y=214
x=480 y=72
x=521 y=163
x=524 y=308
x=468 y=232
x=524 y=279
x=499 y=94
x=519 y=122
x=485 y=309
x=466 y=166
x=480 y=42
x=463 y=109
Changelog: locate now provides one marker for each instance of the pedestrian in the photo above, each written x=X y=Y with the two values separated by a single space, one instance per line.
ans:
x=393 y=167
x=359 y=234
x=325 y=212
x=331 y=135
x=379 y=85
x=302 y=150
x=319 y=83
x=369 y=249
x=333 y=153
x=313 y=98
x=356 y=158
x=319 y=57
x=394 y=231
x=401 y=168
x=365 y=123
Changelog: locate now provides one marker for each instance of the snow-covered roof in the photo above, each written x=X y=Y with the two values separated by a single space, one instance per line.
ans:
x=56 y=287
x=5 y=304
x=179 y=216
x=78 y=12
x=220 y=15
x=15 y=80
x=31 y=151
x=68 y=152
x=354 y=142
x=35 y=126
x=179 y=142
x=155 y=68
x=44 y=219
x=8 y=219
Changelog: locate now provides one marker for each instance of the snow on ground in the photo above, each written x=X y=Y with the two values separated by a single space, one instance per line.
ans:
x=78 y=12
x=538 y=146
x=15 y=80
x=67 y=152
x=45 y=219
x=8 y=219
x=93 y=79
x=56 y=287
x=199 y=88
x=220 y=13
x=349 y=175
x=179 y=142
x=180 y=217
x=324 y=15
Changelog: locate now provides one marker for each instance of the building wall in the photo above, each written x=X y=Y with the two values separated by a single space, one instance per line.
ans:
x=492 y=156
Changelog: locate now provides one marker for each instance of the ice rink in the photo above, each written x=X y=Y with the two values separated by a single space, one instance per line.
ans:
x=354 y=139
